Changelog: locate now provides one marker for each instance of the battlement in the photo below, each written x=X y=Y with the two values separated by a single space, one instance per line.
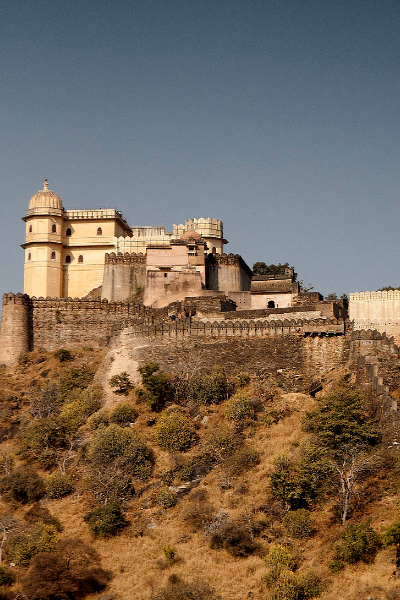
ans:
x=127 y=257
x=365 y=296
x=229 y=259
x=10 y=298
x=242 y=328
x=206 y=227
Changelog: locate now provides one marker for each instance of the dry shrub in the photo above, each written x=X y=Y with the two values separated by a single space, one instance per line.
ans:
x=23 y=485
x=73 y=572
x=178 y=590
x=298 y=523
x=199 y=512
x=166 y=497
x=41 y=513
x=234 y=538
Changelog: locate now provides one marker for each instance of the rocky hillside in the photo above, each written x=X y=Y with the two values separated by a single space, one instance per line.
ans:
x=204 y=471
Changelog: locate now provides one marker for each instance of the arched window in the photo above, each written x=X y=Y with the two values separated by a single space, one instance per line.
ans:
x=80 y=259
x=30 y=228
x=99 y=231
x=53 y=256
x=214 y=250
x=271 y=304
x=29 y=256
x=54 y=228
x=68 y=232
x=68 y=259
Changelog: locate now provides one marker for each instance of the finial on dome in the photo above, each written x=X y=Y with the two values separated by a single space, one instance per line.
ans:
x=45 y=185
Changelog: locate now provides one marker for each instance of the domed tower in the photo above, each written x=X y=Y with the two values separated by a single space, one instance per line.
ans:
x=43 y=245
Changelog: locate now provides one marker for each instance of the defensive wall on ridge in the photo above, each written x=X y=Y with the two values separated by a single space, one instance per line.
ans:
x=50 y=323
x=314 y=345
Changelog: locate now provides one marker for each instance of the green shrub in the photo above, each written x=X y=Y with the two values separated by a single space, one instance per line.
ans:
x=63 y=355
x=58 y=485
x=76 y=378
x=123 y=414
x=359 y=542
x=173 y=432
x=234 y=538
x=121 y=382
x=298 y=523
x=243 y=379
x=6 y=576
x=157 y=385
x=105 y=521
x=285 y=587
x=309 y=585
x=239 y=408
x=166 y=497
x=79 y=405
x=335 y=566
x=277 y=560
x=40 y=436
x=99 y=419
x=115 y=455
x=211 y=388
x=286 y=483
x=23 y=485
x=171 y=555
x=24 y=546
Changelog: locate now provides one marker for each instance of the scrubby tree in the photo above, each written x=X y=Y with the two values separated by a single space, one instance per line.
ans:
x=157 y=388
x=72 y=572
x=121 y=382
x=115 y=455
x=105 y=521
x=345 y=425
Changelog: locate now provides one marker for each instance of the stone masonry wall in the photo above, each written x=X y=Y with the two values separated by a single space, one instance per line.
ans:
x=123 y=275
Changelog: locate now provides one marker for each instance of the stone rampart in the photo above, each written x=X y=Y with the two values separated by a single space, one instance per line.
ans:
x=241 y=328
x=365 y=347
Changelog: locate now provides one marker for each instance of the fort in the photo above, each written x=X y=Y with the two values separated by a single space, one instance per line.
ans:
x=90 y=277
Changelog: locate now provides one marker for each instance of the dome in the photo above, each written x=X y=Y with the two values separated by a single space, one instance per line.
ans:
x=190 y=234
x=45 y=198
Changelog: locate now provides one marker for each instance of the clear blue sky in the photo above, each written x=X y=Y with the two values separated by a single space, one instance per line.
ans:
x=281 y=117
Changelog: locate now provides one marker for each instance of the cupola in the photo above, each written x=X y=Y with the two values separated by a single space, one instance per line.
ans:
x=45 y=198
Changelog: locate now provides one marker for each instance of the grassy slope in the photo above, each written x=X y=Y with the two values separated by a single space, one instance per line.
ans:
x=135 y=561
